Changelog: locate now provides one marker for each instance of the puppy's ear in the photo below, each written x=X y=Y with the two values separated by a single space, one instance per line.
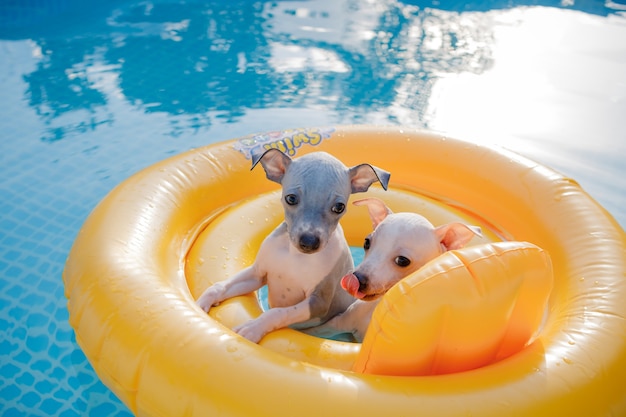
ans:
x=376 y=208
x=364 y=175
x=456 y=235
x=274 y=162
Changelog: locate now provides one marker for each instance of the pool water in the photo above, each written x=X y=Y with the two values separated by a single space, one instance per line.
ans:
x=91 y=93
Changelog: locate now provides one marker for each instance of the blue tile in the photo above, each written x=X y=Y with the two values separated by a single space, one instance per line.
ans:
x=32 y=299
x=26 y=379
x=41 y=365
x=48 y=285
x=43 y=268
x=64 y=335
x=7 y=224
x=101 y=410
x=55 y=350
x=30 y=261
x=63 y=394
x=18 y=313
x=5 y=325
x=10 y=241
x=6 y=347
x=62 y=315
x=19 y=333
x=51 y=406
x=30 y=244
x=74 y=383
x=58 y=374
x=69 y=413
x=36 y=222
x=13 y=272
x=80 y=406
x=16 y=291
x=13 y=412
x=31 y=399
x=23 y=357
x=11 y=255
x=42 y=250
x=20 y=214
x=36 y=319
x=31 y=279
x=44 y=386
x=24 y=230
x=10 y=392
x=9 y=370
x=85 y=378
x=52 y=306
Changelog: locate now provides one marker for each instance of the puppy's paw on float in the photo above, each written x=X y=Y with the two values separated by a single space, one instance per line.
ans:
x=211 y=297
x=251 y=331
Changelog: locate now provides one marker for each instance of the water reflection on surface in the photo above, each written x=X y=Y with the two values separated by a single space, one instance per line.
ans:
x=352 y=59
x=545 y=81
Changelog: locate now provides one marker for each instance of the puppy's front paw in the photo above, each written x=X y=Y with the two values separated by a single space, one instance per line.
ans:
x=211 y=297
x=251 y=331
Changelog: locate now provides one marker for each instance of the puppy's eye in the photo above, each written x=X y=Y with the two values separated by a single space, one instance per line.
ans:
x=401 y=261
x=338 y=208
x=366 y=244
x=291 y=199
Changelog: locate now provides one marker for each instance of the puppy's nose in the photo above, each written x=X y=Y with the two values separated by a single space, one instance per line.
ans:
x=362 y=278
x=309 y=243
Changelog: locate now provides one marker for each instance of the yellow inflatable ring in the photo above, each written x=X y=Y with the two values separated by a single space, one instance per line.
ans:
x=133 y=311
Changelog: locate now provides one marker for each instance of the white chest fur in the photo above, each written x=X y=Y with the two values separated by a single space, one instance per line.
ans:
x=291 y=275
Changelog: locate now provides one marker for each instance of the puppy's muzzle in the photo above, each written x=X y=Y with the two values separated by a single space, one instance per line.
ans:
x=363 y=280
x=309 y=243
x=353 y=285
x=356 y=284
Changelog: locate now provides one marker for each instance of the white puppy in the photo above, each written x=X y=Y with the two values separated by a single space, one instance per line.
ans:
x=400 y=244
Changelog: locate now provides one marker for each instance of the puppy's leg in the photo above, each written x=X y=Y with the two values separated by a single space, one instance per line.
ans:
x=332 y=329
x=273 y=319
x=354 y=320
x=243 y=282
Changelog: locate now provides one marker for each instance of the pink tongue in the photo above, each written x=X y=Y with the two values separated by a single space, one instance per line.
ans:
x=351 y=284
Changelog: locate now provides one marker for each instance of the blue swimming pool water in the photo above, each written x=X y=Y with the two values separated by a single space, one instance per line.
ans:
x=91 y=92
